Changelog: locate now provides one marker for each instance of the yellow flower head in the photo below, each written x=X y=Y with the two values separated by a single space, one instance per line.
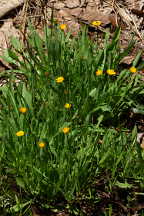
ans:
x=133 y=70
x=22 y=109
x=99 y=72
x=63 y=26
x=67 y=106
x=66 y=130
x=20 y=133
x=41 y=144
x=96 y=23
x=111 y=72
x=60 y=79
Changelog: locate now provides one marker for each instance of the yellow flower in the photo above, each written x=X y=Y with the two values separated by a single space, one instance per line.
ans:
x=60 y=79
x=41 y=144
x=99 y=72
x=63 y=26
x=133 y=70
x=67 y=106
x=66 y=130
x=22 y=109
x=111 y=72
x=96 y=23
x=20 y=133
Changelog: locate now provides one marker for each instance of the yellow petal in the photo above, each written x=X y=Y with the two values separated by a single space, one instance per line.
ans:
x=20 y=133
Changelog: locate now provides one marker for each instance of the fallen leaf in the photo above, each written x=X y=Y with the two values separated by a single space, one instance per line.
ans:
x=95 y=15
x=6 y=32
x=72 y=3
x=75 y=12
x=128 y=59
x=64 y=15
x=8 y=5
x=59 y=5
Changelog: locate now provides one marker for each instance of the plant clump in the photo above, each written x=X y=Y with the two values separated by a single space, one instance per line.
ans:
x=73 y=129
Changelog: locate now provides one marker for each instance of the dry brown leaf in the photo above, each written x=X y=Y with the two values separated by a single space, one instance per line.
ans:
x=92 y=15
x=76 y=12
x=124 y=13
x=134 y=4
x=83 y=3
x=128 y=59
x=6 y=32
x=8 y=5
x=59 y=5
x=72 y=3
x=94 y=3
x=64 y=15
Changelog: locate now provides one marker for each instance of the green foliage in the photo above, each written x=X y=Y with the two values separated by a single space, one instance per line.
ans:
x=67 y=161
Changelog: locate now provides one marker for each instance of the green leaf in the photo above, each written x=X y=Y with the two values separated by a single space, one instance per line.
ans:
x=138 y=110
x=16 y=43
x=93 y=92
x=19 y=206
x=20 y=182
x=123 y=185
x=27 y=96
x=104 y=157
x=115 y=40
x=135 y=62
x=6 y=57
